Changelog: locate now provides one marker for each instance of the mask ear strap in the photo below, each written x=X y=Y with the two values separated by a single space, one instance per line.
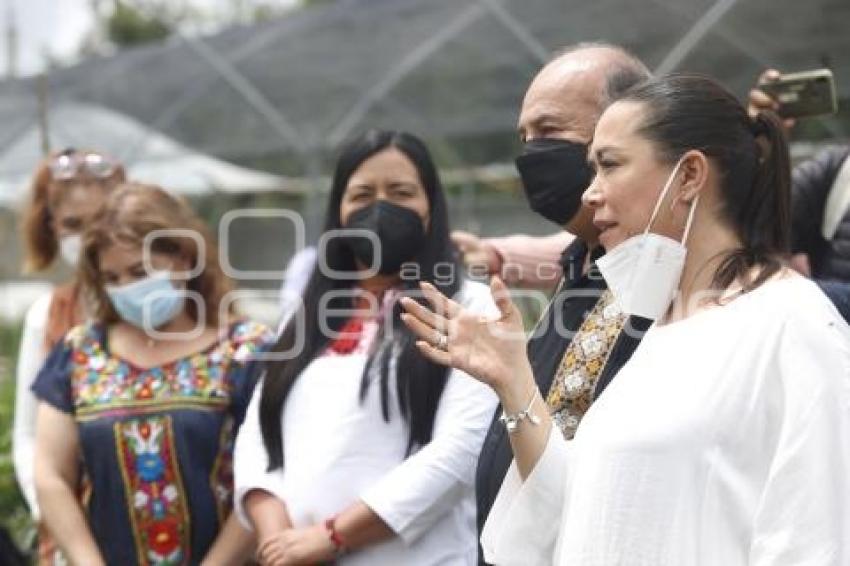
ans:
x=690 y=220
x=663 y=194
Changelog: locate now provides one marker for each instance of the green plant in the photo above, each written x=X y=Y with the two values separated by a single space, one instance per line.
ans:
x=130 y=25
x=14 y=514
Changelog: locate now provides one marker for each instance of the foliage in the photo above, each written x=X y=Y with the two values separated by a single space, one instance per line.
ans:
x=130 y=25
x=126 y=23
x=13 y=511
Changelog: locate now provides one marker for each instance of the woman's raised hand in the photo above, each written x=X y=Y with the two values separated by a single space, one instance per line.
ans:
x=492 y=350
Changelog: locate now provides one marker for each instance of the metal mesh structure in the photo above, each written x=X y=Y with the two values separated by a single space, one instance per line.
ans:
x=282 y=95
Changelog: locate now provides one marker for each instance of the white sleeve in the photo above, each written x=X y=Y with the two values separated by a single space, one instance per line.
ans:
x=250 y=461
x=419 y=491
x=523 y=525
x=31 y=356
x=803 y=516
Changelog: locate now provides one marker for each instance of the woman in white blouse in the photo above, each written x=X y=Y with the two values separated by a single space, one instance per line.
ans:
x=724 y=440
x=356 y=447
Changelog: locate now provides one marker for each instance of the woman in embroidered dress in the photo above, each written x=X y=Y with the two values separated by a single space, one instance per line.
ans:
x=68 y=189
x=356 y=446
x=724 y=440
x=147 y=396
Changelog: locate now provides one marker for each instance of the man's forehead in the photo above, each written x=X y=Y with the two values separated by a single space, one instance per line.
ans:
x=560 y=85
x=573 y=99
x=566 y=82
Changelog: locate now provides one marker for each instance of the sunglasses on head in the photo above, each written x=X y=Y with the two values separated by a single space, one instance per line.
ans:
x=70 y=163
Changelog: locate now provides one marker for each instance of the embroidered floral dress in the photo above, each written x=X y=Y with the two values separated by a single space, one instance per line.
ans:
x=156 y=442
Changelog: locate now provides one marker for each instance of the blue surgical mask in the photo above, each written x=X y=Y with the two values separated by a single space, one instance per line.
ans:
x=147 y=303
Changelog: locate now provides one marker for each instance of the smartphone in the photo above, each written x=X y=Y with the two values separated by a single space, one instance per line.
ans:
x=809 y=93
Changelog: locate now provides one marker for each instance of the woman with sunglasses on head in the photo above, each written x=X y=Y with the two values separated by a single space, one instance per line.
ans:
x=68 y=189
x=148 y=395
x=356 y=448
x=724 y=440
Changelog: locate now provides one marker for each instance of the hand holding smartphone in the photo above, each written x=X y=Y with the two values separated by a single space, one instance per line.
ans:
x=799 y=95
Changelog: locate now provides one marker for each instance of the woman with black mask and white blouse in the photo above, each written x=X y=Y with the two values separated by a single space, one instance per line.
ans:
x=356 y=447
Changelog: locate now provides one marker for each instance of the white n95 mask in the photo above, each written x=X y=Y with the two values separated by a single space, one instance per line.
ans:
x=70 y=248
x=643 y=272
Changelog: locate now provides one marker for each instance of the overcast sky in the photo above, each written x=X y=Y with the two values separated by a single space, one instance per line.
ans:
x=56 y=26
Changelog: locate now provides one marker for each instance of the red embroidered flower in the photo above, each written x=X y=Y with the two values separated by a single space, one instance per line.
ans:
x=164 y=537
x=349 y=337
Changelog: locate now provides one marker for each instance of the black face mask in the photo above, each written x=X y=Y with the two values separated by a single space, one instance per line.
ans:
x=399 y=232
x=554 y=175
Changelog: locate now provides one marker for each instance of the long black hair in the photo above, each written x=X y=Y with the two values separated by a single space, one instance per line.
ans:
x=419 y=382
x=685 y=112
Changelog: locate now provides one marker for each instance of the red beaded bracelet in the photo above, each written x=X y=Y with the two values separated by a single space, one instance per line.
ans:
x=333 y=534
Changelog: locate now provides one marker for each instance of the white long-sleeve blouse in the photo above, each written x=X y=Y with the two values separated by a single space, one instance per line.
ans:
x=724 y=441
x=338 y=450
x=31 y=356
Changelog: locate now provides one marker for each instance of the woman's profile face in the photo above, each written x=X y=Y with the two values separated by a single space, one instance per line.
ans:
x=388 y=175
x=75 y=205
x=629 y=179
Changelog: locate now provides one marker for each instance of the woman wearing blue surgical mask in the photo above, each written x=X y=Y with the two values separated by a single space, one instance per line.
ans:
x=68 y=189
x=148 y=395
x=357 y=450
x=723 y=441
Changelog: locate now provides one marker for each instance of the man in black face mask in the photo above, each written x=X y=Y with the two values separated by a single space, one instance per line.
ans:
x=580 y=343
